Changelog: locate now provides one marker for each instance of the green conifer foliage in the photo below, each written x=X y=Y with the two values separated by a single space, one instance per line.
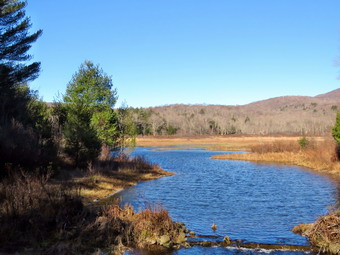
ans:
x=91 y=121
x=25 y=131
x=336 y=129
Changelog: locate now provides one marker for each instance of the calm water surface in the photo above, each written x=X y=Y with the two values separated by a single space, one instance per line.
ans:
x=247 y=201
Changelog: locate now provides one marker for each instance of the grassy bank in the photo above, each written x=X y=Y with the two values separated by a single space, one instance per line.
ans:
x=319 y=155
x=67 y=214
x=111 y=176
x=324 y=233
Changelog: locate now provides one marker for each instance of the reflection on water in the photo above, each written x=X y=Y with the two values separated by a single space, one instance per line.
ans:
x=247 y=201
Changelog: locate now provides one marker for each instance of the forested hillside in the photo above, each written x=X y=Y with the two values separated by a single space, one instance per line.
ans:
x=298 y=115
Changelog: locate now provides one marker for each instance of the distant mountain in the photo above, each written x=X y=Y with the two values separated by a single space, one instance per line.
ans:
x=277 y=102
x=332 y=97
x=279 y=115
x=334 y=94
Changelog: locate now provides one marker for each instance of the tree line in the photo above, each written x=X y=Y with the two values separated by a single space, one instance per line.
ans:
x=302 y=118
x=35 y=135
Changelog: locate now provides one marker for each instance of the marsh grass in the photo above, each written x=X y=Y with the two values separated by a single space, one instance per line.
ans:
x=214 y=142
x=144 y=227
x=275 y=146
x=107 y=176
x=321 y=155
x=324 y=233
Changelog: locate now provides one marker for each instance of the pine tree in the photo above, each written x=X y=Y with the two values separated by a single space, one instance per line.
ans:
x=15 y=42
x=91 y=120
x=336 y=129
x=20 y=136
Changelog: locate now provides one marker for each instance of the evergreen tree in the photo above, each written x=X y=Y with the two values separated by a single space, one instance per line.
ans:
x=24 y=134
x=91 y=120
x=15 y=41
x=336 y=129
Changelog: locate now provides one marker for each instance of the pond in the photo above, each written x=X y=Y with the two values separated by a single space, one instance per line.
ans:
x=247 y=201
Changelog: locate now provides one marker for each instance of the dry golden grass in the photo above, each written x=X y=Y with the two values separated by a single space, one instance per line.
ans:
x=324 y=233
x=144 y=228
x=97 y=187
x=321 y=156
x=216 y=143
x=110 y=176
x=44 y=213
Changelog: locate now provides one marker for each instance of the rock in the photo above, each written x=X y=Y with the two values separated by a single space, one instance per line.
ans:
x=176 y=246
x=164 y=240
x=168 y=244
x=191 y=233
x=187 y=245
x=207 y=244
x=151 y=240
x=226 y=240
x=182 y=227
x=181 y=238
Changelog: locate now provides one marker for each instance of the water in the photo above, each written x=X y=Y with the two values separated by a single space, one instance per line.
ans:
x=247 y=201
x=197 y=250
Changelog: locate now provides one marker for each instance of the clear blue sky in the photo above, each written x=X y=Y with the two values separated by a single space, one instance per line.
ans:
x=190 y=51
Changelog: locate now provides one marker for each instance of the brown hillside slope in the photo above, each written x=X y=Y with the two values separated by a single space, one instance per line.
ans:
x=334 y=94
x=297 y=115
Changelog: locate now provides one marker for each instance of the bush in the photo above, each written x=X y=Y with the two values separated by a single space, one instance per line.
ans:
x=31 y=211
x=336 y=129
x=303 y=142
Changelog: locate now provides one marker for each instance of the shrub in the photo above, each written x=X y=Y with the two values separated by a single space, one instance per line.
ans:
x=303 y=142
x=32 y=211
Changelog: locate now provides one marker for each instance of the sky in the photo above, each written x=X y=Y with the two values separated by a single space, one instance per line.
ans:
x=161 y=52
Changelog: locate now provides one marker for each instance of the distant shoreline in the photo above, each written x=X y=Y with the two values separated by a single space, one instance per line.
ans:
x=304 y=158
x=216 y=142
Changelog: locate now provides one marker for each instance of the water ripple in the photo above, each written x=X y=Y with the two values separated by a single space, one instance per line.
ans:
x=247 y=201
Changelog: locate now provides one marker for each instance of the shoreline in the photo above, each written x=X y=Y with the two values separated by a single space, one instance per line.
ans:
x=95 y=190
x=303 y=158
x=216 y=143
x=296 y=159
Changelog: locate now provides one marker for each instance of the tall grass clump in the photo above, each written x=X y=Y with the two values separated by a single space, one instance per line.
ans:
x=276 y=146
x=152 y=225
x=324 y=233
x=122 y=162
